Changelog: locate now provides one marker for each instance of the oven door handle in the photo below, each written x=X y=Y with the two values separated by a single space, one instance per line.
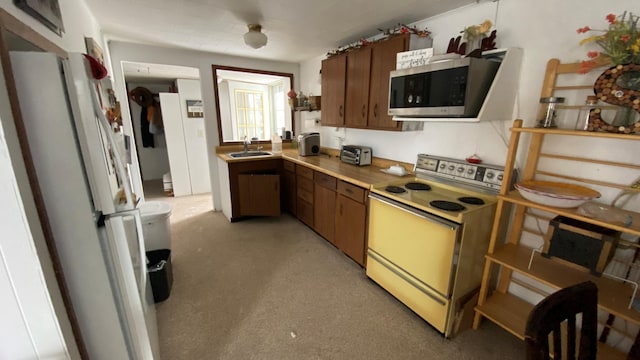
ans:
x=415 y=212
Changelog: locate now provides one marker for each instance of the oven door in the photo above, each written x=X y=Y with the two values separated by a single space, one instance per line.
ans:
x=412 y=254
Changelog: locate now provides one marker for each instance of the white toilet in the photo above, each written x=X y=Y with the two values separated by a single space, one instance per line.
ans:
x=156 y=227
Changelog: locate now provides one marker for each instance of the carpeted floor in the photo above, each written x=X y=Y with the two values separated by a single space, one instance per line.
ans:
x=271 y=288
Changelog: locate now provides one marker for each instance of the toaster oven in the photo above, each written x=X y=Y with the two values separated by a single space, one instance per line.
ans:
x=356 y=155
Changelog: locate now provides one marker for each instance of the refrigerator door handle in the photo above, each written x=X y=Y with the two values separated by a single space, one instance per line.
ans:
x=143 y=254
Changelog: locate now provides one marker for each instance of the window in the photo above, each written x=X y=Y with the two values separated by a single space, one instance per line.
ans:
x=250 y=114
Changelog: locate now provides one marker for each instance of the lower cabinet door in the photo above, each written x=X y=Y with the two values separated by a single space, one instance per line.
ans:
x=351 y=227
x=324 y=207
x=304 y=211
x=259 y=194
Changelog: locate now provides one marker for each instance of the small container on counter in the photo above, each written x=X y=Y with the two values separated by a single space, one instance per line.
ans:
x=547 y=112
x=276 y=143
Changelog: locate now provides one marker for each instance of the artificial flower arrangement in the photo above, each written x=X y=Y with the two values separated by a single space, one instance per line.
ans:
x=620 y=43
x=473 y=32
x=404 y=29
x=475 y=37
x=292 y=98
x=399 y=29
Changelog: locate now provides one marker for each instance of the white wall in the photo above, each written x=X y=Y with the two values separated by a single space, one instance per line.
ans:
x=22 y=227
x=153 y=160
x=195 y=141
x=121 y=51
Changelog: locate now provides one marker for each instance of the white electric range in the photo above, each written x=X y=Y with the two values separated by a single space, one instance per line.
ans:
x=428 y=235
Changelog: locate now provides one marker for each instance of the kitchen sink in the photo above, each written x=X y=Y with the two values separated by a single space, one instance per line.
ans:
x=252 y=153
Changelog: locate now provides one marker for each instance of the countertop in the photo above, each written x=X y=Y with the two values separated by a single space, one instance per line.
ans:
x=330 y=164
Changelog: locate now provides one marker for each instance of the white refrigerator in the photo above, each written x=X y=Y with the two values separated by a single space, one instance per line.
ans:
x=82 y=172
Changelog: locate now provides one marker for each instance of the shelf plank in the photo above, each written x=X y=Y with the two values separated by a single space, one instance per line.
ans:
x=554 y=131
x=634 y=229
x=508 y=311
x=511 y=313
x=613 y=295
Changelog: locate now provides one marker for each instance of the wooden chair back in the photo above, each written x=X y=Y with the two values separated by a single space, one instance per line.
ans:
x=547 y=317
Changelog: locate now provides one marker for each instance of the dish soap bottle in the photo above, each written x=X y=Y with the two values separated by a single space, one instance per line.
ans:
x=276 y=143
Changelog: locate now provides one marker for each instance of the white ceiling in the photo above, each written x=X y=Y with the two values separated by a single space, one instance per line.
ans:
x=296 y=29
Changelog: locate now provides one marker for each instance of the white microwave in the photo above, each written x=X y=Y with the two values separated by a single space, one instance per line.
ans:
x=452 y=88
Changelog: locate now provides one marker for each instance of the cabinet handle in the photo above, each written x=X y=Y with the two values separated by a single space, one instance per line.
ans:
x=364 y=110
x=348 y=190
x=340 y=111
x=375 y=110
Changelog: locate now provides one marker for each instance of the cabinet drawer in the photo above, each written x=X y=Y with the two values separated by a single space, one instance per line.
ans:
x=305 y=184
x=304 y=172
x=325 y=180
x=305 y=195
x=289 y=166
x=351 y=191
x=305 y=212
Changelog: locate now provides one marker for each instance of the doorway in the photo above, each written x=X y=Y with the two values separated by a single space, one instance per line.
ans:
x=170 y=139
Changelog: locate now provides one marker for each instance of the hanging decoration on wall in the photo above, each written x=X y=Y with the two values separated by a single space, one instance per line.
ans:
x=619 y=85
x=45 y=11
x=195 y=109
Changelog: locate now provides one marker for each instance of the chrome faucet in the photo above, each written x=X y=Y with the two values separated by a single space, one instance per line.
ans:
x=246 y=143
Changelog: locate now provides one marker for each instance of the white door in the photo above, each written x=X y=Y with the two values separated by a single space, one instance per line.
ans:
x=176 y=147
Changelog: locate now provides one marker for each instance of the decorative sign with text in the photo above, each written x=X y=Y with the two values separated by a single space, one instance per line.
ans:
x=413 y=58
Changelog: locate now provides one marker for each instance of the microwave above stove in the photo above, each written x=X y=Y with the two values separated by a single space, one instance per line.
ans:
x=451 y=88
x=356 y=155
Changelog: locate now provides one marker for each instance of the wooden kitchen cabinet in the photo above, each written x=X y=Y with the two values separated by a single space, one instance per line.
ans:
x=324 y=205
x=259 y=194
x=304 y=195
x=334 y=72
x=245 y=200
x=288 y=187
x=383 y=61
x=358 y=86
x=357 y=93
x=351 y=221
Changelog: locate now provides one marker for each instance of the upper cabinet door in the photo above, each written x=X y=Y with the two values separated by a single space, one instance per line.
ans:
x=383 y=61
x=334 y=72
x=358 y=72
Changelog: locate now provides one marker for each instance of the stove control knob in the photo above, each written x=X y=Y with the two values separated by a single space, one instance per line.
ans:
x=452 y=167
x=489 y=175
x=442 y=166
x=470 y=171
x=500 y=177
x=460 y=169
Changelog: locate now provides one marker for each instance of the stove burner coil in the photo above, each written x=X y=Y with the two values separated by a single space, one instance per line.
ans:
x=446 y=205
x=395 y=189
x=471 y=200
x=417 y=186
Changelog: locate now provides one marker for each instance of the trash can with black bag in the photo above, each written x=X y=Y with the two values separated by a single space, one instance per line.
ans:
x=160 y=273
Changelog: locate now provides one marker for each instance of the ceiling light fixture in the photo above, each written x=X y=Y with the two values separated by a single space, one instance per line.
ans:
x=254 y=37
